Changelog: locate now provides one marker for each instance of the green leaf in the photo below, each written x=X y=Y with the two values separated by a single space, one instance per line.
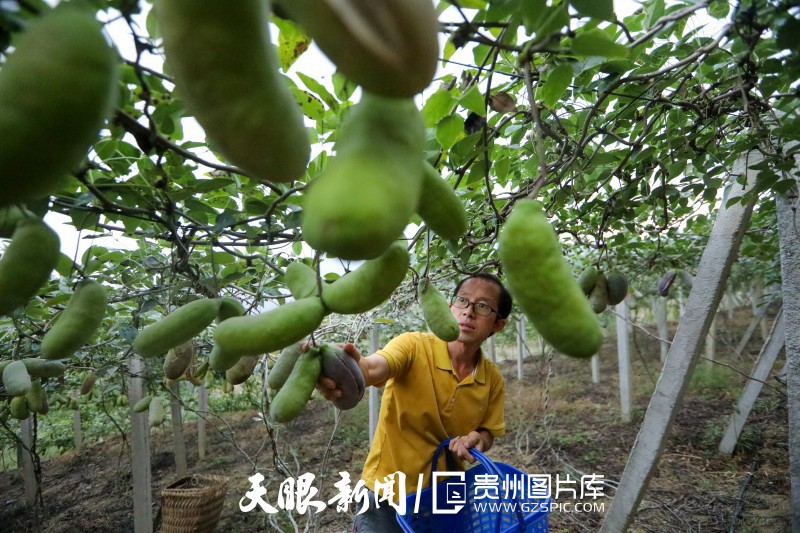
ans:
x=597 y=9
x=320 y=90
x=473 y=4
x=84 y=219
x=555 y=84
x=65 y=265
x=449 y=130
x=719 y=9
x=292 y=42
x=543 y=20
x=596 y=42
x=473 y=101
x=223 y=221
x=297 y=248
x=439 y=105
x=211 y=185
x=789 y=35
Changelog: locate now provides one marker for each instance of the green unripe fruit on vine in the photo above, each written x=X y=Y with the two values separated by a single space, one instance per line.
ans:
x=181 y=325
x=155 y=412
x=598 y=298
x=55 y=90
x=242 y=370
x=221 y=360
x=78 y=322
x=229 y=307
x=301 y=280
x=42 y=368
x=364 y=197
x=226 y=71
x=269 y=331
x=16 y=378
x=541 y=282
x=37 y=401
x=201 y=371
x=88 y=383
x=279 y=373
x=295 y=393
x=617 y=287
x=368 y=285
x=439 y=207
x=389 y=47
x=436 y=312
x=142 y=405
x=587 y=279
x=27 y=263
x=19 y=408
x=178 y=360
x=9 y=216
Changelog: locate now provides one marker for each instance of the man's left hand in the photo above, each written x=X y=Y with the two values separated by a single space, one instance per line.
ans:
x=460 y=446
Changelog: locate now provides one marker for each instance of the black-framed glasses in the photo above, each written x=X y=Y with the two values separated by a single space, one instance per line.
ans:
x=479 y=307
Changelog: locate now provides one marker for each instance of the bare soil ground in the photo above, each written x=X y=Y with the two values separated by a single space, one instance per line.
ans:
x=561 y=425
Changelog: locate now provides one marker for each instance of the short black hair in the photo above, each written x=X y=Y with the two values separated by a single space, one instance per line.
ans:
x=505 y=296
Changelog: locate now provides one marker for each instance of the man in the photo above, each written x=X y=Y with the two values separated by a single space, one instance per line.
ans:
x=433 y=390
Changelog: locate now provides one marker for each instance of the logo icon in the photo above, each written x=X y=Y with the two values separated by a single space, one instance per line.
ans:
x=450 y=496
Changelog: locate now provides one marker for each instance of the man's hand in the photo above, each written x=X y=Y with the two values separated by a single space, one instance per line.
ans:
x=480 y=440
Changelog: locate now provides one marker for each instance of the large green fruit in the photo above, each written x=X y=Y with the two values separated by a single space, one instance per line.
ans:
x=542 y=283
x=226 y=71
x=27 y=263
x=283 y=367
x=142 y=405
x=363 y=199
x=439 y=207
x=221 y=360
x=587 y=279
x=229 y=307
x=301 y=280
x=87 y=386
x=598 y=298
x=617 y=287
x=19 y=408
x=388 y=47
x=16 y=379
x=9 y=216
x=42 y=368
x=155 y=412
x=270 y=331
x=37 y=399
x=181 y=325
x=78 y=322
x=369 y=284
x=436 y=312
x=55 y=91
x=295 y=393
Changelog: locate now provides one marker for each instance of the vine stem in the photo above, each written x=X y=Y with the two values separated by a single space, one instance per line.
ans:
x=536 y=129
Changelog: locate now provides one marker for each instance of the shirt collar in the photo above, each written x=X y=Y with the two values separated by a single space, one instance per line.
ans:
x=442 y=360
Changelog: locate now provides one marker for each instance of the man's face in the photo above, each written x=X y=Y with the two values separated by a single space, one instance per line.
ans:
x=474 y=327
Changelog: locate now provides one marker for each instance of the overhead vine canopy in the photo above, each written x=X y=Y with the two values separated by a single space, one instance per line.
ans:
x=625 y=126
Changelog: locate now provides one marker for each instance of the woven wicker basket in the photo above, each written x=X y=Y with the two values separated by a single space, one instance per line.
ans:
x=193 y=504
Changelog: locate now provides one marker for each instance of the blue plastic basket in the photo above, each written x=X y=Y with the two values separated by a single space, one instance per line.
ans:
x=472 y=519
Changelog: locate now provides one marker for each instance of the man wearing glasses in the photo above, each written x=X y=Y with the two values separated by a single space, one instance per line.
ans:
x=433 y=390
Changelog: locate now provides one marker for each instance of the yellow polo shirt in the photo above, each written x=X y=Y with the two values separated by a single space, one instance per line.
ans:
x=424 y=403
